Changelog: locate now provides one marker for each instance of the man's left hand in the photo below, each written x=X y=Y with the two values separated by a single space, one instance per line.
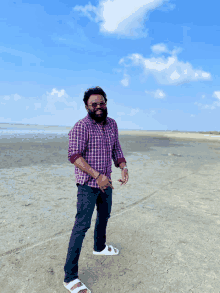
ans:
x=124 y=175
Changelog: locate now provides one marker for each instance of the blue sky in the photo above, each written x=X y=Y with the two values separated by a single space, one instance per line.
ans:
x=158 y=62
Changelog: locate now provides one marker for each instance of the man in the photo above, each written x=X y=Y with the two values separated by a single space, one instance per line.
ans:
x=93 y=143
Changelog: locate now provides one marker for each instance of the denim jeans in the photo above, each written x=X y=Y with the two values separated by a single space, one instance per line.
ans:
x=87 y=198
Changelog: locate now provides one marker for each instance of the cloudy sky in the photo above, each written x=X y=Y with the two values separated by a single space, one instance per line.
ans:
x=157 y=60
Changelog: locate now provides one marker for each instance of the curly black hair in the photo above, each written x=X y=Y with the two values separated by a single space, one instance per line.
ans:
x=93 y=91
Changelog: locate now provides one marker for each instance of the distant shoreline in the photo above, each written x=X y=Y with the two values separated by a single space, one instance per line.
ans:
x=3 y=125
x=177 y=135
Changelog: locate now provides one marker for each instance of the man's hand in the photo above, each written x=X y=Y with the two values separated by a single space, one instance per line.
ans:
x=103 y=182
x=124 y=175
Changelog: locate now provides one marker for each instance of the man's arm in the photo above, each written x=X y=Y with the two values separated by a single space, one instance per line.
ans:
x=122 y=165
x=83 y=166
x=117 y=154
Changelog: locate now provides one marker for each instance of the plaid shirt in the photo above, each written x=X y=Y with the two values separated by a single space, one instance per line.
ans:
x=98 y=145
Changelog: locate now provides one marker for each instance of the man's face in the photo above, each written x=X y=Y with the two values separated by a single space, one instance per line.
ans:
x=94 y=112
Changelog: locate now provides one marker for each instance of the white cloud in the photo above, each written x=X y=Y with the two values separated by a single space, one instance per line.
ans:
x=58 y=97
x=216 y=94
x=120 y=113
x=167 y=6
x=158 y=94
x=162 y=48
x=168 y=70
x=7 y=98
x=121 y=17
x=206 y=74
x=175 y=75
x=176 y=51
x=133 y=112
x=86 y=9
x=159 y=48
x=60 y=93
x=214 y=105
x=208 y=107
x=14 y=97
x=125 y=81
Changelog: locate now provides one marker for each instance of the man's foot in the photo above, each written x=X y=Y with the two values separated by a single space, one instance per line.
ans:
x=78 y=285
x=109 y=249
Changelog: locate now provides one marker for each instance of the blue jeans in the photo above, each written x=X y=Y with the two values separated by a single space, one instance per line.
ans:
x=87 y=198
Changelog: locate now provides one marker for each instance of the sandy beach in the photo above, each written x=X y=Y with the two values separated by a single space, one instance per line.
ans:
x=209 y=135
x=165 y=221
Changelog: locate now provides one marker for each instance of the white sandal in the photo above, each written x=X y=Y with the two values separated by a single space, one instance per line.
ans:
x=106 y=251
x=76 y=290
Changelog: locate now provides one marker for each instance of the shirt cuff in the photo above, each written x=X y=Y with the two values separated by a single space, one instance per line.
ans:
x=121 y=160
x=73 y=158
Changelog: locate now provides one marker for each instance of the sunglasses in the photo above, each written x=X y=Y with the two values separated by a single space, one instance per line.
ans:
x=94 y=105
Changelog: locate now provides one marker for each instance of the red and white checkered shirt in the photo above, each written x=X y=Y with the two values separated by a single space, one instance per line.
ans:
x=98 y=144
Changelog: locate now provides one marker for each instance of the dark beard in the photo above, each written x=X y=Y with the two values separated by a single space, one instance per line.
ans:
x=98 y=118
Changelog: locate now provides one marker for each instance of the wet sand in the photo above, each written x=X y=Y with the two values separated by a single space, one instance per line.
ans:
x=165 y=221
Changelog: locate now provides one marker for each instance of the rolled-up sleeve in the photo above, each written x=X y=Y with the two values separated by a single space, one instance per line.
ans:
x=117 y=154
x=78 y=139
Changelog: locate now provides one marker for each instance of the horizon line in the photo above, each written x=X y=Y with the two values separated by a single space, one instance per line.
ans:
x=14 y=123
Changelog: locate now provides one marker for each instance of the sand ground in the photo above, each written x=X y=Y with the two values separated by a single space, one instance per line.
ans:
x=165 y=222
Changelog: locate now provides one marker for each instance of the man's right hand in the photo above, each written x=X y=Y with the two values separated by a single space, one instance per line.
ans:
x=103 y=182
